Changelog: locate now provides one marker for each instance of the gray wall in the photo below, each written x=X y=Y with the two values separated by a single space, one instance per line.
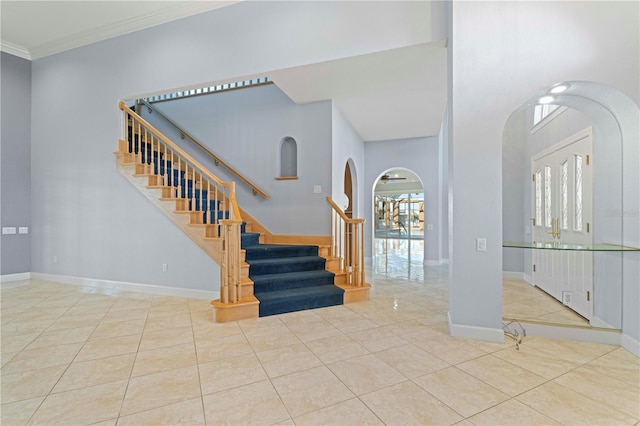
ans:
x=15 y=154
x=84 y=212
x=245 y=127
x=422 y=156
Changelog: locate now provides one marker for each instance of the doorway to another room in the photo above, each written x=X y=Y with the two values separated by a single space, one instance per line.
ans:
x=398 y=228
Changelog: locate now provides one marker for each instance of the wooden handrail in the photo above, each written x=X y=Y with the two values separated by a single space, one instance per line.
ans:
x=256 y=190
x=173 y=145
x=341 y=213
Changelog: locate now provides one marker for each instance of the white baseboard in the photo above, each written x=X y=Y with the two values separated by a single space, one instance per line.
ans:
x=605 y=337
x=511 y=275
x=15 y=277
x=528 y=278
x=127 y=286
x=630 y=344
x=474 y=332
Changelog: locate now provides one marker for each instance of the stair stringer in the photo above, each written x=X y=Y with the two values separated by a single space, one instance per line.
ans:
x=196 y=232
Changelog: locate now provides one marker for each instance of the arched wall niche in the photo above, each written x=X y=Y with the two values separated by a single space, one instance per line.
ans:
x=288 y=157
x=616 y=159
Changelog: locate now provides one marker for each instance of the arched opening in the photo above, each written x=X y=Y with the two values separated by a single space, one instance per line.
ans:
x=288 y=157
x=591 y=298
x=348 y=188
x=398 y=220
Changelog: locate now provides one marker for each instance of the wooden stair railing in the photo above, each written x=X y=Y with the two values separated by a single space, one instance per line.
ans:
x=216 y=158
x=196 y=192
x=347 y=244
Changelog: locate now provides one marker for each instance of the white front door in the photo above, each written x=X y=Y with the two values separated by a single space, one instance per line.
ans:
x=562 y=209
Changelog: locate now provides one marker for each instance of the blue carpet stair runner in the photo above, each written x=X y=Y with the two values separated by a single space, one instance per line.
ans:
x=289 y=278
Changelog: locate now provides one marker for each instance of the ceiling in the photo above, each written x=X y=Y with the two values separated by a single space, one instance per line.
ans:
x=393 y=94
x=35 y=29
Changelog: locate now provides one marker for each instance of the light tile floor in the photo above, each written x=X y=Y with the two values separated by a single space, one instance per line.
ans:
x=524 y=302
x=76 y=355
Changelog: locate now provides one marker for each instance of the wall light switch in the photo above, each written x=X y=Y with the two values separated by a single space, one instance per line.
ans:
x=317 y=189
x=8 y=230
x=481 y=244
x=23 y=230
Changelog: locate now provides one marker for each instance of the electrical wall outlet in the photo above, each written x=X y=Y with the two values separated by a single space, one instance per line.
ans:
x=23 y=230
x=8 y=230
x=165 y=267
x=566 y=298
x=55 y=259
x=317 y=189
x=481 y=244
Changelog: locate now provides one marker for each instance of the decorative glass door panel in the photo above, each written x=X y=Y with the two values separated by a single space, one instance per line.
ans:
x=562 y=208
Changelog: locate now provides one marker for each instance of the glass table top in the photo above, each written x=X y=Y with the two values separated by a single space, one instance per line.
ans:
x=557 y=245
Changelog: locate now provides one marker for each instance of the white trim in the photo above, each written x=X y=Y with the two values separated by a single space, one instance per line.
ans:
x=15 y=277
x=127 y=286
x=548 y=118
x=511 y=275
x=605 y=337
x=436 y=262
x=14 y=49
x=630 y=344
x=475 y=332
x=528 y=278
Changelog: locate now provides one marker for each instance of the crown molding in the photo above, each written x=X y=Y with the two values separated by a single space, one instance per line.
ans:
x=125 y=26
x=14 y=49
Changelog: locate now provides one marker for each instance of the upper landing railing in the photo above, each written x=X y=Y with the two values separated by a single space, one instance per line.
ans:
x=210 y=89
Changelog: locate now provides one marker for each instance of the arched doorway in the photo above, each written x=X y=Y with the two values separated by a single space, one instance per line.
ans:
x=398 y=221
x=348 y=189
x=612 y=120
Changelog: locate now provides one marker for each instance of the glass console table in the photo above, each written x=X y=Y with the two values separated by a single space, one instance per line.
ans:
x=556 y=245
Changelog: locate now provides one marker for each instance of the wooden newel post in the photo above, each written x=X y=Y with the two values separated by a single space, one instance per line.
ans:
x=230 y=267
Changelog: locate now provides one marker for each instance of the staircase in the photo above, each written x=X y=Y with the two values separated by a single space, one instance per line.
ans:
x=289 y=278
x=256 y=279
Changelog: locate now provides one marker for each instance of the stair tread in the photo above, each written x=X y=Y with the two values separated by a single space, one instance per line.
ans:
x=285 y=260
x=293 y=275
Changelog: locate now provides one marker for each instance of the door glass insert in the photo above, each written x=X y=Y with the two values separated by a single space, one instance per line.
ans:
x=578 y=194
x=565 y=195
x=538 y=200
x=547 y=196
